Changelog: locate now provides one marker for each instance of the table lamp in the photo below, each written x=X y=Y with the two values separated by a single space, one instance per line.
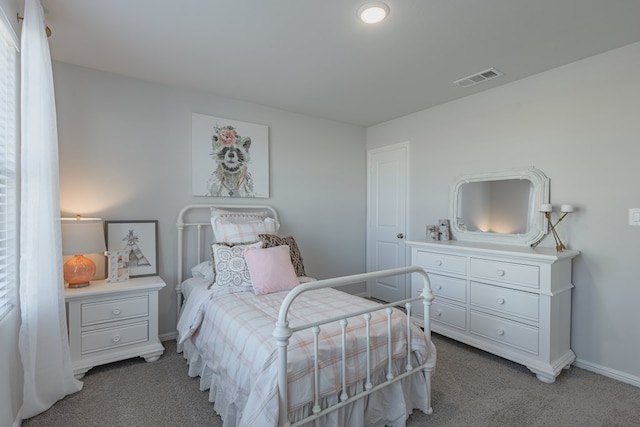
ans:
x=81 y=236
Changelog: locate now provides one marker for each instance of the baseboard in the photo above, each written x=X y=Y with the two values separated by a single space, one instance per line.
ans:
x=18 y=421
x=169 y=336
x=608 y=372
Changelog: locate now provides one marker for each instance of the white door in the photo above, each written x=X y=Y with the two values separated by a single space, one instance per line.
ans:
x=387 y=219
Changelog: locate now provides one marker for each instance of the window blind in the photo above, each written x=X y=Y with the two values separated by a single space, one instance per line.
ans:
x=8 y=172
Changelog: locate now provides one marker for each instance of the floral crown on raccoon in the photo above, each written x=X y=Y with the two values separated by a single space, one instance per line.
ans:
x=226 y=136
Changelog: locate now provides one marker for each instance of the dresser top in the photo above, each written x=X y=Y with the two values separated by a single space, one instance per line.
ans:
x=493 y=249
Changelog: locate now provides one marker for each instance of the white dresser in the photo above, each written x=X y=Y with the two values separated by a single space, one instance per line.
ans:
x=108 y=322
x=512 y=301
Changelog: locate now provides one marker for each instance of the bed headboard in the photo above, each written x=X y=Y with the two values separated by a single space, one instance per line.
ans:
x=195 y=234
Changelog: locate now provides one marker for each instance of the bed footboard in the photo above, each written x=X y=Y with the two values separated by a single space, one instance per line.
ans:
x=283 y=333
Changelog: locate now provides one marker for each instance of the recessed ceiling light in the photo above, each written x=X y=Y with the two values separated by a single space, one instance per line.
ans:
x=373 y=12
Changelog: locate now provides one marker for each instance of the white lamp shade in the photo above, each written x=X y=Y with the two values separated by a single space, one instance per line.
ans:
x=82 y=236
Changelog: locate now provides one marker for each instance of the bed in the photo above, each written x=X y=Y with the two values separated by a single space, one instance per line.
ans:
x=278 y=351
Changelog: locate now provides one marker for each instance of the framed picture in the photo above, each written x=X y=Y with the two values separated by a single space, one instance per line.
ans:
x=229 y=158
x=139 y=239
x=118 y=266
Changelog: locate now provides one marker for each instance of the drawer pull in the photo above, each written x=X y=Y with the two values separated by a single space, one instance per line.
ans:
x=116 y=338
x=500 y=301
x=116 y=311
x=438 y=287
x=500 y=332
x=438 y=262
x=500 y=273
x=438 y=313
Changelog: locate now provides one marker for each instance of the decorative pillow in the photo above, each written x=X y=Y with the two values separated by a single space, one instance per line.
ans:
x=271 y=269
x=238 y=216
x=230 y=267
x=204 y=270
x=242 y=232
x=271 y=240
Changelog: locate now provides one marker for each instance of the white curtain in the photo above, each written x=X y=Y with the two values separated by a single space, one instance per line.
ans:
x=43 y=342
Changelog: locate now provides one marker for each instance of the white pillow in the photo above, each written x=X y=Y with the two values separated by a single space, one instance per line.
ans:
x=233 y=216
x=242 y=232
x=231 y=273
x=204 y=270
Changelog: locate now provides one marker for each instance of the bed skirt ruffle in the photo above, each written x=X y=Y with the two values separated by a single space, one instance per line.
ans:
x=389 y=406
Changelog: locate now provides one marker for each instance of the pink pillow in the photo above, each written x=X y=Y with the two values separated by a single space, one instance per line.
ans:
x=271 y=269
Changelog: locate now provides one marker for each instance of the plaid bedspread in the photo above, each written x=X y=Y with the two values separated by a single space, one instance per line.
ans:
x=233 y=333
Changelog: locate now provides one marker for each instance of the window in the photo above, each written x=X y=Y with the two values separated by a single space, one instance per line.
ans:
x=8 y=170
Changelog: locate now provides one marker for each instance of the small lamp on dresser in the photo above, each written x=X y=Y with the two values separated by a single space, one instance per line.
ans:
x=81 y=236
x=546 y=209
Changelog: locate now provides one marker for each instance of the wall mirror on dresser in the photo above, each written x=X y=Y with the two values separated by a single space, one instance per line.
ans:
x=500 y=207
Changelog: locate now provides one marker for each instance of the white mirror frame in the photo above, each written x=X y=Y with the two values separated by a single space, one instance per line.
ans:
x=538 y=226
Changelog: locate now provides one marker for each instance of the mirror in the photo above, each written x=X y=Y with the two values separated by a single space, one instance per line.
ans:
x=500 y=207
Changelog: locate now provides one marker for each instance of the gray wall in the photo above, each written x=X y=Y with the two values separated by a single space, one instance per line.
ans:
x=579 y=124
x=125 y=154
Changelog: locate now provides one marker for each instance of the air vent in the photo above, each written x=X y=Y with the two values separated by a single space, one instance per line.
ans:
x=480 y=77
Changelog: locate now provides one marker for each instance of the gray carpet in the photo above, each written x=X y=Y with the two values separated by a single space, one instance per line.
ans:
x=470 y=388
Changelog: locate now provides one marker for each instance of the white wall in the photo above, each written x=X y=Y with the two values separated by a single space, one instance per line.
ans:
x=580 y=125
x=125 y=153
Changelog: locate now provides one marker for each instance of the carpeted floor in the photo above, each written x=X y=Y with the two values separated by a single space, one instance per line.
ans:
x=470 y=388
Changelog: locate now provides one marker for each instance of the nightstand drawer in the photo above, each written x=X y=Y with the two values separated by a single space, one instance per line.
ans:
x=449 y=314
x=504 y=300
x=102 y=339
x=518 y=274
x=449 y=287
x=441 y=262
x=515 y=334
x=116 y=309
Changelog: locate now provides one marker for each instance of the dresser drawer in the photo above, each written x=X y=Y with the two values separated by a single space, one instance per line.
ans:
x=449 y=314
x=519 y=274
x=440 y=262
x=116 y=309
x=449 y=287
x=508 y=301
x=505 y=331
x=102 y=339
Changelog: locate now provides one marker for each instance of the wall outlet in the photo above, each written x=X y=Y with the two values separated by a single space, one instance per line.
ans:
x=634 y=216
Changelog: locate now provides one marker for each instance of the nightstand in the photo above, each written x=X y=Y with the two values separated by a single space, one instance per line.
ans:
x=108 y=322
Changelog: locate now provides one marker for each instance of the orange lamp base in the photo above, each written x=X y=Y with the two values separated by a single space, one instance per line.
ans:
x=78 y=271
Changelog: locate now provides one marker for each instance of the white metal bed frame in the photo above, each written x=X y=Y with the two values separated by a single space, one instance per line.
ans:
x=283 y=332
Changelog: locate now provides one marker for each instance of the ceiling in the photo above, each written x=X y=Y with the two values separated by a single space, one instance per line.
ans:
x=317 y=58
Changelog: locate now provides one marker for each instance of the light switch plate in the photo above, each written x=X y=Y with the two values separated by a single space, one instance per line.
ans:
x=634 y=216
